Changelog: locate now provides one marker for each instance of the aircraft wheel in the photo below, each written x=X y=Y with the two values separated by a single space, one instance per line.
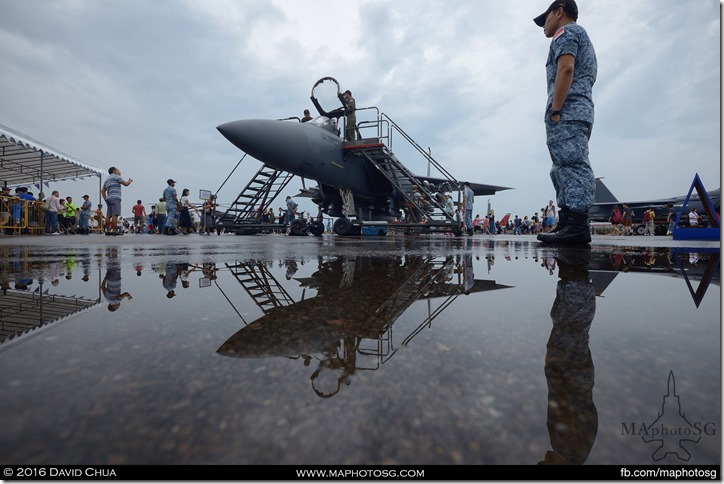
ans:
x=457 y=232
x=296 y=228
x=342 y=226
x=661 y=230
x=640 y=229
x=316 y=228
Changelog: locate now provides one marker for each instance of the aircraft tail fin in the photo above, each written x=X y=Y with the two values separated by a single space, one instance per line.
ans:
x=603 y=194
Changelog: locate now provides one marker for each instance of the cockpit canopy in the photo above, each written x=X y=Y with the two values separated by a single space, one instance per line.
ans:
x=330 y=124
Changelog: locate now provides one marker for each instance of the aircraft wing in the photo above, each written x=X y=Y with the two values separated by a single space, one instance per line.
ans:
x=478 y=188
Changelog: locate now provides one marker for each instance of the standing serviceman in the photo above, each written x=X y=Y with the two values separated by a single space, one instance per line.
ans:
x=172 y=206
x=84 y=218
x=571 y=71
x=350 y=108
x=468 y=201
x=111 y=193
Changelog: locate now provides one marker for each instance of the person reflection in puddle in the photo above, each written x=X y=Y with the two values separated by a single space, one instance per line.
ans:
x=111 y=285
x=169 y=278
x=572 y=415
x=332 y=363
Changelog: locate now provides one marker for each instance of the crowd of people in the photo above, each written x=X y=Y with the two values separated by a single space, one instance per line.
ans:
x=22 y=212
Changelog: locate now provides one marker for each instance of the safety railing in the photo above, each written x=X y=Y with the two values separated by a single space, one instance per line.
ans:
x=27 y=217
x=18 y=216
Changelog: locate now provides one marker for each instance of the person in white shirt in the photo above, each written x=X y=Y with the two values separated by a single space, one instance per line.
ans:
x=693 y=218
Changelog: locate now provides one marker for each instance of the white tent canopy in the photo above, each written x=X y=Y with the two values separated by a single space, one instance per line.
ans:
x=25 y=161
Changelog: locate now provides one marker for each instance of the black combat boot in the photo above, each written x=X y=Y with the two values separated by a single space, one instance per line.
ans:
x=576 y=229
x=573 y=263
x=563 y=219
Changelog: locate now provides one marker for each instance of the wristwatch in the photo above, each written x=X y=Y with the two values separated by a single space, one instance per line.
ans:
x=554 y=112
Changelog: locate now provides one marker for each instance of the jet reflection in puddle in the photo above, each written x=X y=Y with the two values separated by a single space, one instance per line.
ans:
x=342 y=328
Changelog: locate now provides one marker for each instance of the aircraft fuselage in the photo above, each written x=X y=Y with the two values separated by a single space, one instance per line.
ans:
x=308 y=150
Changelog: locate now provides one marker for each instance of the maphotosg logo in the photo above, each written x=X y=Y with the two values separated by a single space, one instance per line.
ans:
x=672 y=431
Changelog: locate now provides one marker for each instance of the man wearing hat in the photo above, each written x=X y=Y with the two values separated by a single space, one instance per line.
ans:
x=571 y=71
x=84 y=218
x=171 y=198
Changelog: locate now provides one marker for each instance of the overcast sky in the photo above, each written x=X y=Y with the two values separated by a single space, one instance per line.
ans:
x=143 y=84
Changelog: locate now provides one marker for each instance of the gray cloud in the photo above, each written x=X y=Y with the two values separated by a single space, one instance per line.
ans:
x=144 y=83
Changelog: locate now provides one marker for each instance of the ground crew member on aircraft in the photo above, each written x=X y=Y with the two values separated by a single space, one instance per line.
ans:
x=350 y=108
x=571 y=71
x=307 y=116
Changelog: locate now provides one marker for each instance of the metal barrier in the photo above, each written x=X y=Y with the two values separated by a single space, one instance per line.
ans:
x=18 y=216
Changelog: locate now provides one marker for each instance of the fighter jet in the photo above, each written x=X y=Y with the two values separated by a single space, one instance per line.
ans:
x=361 y=181
x=605 y=201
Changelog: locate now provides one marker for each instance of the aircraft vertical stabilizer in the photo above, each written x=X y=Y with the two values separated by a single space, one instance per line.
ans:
x=603 y=194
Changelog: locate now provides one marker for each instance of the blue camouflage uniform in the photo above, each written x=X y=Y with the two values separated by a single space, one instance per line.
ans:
x=169 y=195
x=469 y=198
x=84 y=220
x=567 y=140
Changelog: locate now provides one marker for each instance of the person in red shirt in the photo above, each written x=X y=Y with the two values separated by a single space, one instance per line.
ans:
x=139 y=215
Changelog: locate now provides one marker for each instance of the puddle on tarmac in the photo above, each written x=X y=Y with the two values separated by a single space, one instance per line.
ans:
x=336 y=354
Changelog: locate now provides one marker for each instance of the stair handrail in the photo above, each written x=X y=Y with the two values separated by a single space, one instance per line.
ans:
x=395 y=127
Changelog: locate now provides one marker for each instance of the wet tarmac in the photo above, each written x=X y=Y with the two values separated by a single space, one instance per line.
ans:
x=412 y=350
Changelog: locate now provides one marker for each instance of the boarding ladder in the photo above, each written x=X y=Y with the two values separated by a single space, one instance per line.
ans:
x=261 y=285
x=256 y=197
x=400 y=177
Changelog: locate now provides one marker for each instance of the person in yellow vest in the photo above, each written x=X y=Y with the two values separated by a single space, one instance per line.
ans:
x=70 y=215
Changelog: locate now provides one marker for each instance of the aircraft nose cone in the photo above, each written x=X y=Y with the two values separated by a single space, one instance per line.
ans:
x=281 y=144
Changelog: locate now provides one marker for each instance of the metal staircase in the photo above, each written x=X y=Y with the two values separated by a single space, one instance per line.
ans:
x=256 y=197
x=261 y=285
x=401 y=178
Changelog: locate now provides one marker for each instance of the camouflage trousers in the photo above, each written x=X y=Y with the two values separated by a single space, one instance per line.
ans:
x=571 y=173
x=170 y=216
